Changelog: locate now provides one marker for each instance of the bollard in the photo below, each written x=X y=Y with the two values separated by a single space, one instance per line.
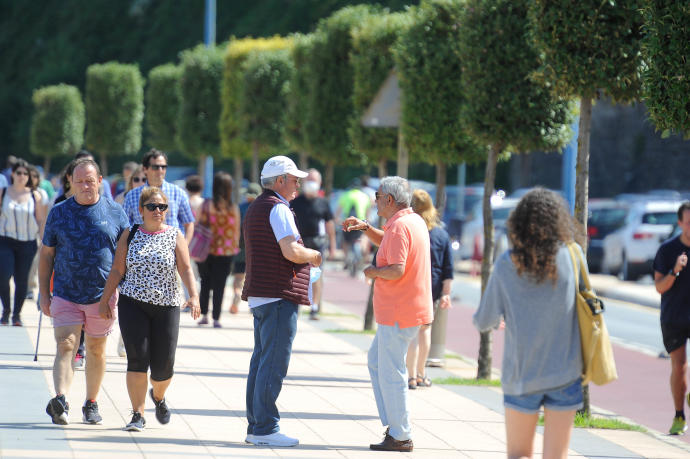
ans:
x=437 y=350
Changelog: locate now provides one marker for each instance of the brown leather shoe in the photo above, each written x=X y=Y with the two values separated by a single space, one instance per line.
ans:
x=391 y=444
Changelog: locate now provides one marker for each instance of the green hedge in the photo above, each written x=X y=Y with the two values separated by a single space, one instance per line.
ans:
x=263 y=103
x=372 y=61
x=114 y=109
x=197 y=128
x=667 y=74
x=163 y=100
x=57 y=126
x=298 y=96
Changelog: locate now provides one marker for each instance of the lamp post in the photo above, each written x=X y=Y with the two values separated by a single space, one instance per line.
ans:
x=209 y=41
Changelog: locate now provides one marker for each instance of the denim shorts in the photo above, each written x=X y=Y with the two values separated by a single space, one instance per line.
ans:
x=565 y=398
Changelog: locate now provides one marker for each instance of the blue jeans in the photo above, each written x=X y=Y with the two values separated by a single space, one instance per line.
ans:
x=275 y=325
x=389 y=377
x=16 y=257
x=565 y=398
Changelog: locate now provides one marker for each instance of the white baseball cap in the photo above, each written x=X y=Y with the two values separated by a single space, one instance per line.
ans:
x=280 y=165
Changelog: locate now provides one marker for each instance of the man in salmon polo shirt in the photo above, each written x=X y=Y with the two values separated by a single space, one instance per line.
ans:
x=402 y=302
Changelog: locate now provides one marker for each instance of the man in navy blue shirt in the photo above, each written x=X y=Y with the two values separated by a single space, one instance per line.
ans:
x=673 y=283
x=79 y=242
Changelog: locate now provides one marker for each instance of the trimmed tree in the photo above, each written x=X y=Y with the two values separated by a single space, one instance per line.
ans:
x=505 y=108
x=330 y=103
x=432 y=95
x=263 y=103
x=114 y=110
x=588 y=47
x=372 y=61
x=199 y=114
x=234 y=143
x=57 y=126
x=298 y=96
x=163 y=99
x=667 y=73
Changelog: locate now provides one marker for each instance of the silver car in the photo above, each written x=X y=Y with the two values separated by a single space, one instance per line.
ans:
x=630 y=250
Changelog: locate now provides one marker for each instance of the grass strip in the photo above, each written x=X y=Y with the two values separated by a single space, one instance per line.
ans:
x=593 y=422
x=453 y=381
x=350 y=331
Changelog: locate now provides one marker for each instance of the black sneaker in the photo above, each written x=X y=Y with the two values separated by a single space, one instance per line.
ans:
x=162 y=410
x=137 y=423
x=91 y=414
x=58 y=410
x=5 y=320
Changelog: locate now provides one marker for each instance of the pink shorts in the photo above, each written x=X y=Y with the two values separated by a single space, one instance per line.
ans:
x=65 y=313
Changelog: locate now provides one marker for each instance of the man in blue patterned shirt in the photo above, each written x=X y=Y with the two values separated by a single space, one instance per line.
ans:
x=79 y=242
x=155 y=164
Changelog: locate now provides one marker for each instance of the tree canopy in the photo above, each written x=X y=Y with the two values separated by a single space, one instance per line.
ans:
x=163 y=100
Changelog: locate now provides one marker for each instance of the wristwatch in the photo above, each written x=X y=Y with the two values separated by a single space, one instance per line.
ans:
x=673 y=273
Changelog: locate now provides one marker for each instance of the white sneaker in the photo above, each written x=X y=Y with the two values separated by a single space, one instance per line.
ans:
x=249 y=438
x=274 y=439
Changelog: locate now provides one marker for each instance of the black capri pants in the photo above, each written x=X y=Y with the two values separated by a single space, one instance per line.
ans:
x=149 y=332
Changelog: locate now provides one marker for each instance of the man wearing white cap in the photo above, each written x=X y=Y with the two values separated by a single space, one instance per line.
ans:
x=277 y=281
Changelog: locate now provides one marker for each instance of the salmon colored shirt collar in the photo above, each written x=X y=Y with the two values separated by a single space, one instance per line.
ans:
x=397 y=215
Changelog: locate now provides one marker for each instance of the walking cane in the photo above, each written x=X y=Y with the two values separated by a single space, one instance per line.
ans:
x=40 y=318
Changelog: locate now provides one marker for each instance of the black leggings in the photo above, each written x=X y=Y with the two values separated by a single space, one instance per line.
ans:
x=16 y=258
x=214 y=274
x=150 y=333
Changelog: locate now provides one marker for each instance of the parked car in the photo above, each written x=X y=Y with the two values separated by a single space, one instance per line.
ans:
x=604 y=217
x=630 y=250
x=474 y=229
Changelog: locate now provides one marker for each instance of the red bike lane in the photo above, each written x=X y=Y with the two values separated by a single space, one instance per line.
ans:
x=641 y=392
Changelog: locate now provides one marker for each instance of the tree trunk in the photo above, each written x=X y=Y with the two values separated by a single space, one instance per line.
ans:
x=237 y=178
x=104 y=164
x=403 y=155
x=328 y=178
x=484 y=358
x=369 y=314
x=383 y=169
x=303 y=160
x=582 y=193
x=201 y=169
x=254 y=173
x=440 y=187
x=46 y=166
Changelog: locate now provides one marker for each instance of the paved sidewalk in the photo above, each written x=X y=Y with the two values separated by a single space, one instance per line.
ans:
x=326 y=402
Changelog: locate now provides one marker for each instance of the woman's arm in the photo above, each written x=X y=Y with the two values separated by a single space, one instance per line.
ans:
x=236 y=231
x=39 y=213
x=117 y=272
x=184 y=268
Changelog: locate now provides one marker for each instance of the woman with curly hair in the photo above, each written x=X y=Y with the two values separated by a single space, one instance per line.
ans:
x=532 y=289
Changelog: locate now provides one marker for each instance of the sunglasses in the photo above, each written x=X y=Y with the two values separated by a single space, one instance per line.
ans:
x=137 y=179
x=153 y=206
x=157 y=167
x=380 y=195
x=18 y=172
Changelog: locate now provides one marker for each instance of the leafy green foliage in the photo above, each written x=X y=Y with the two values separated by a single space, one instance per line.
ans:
x=163 y=100
x=372 y=61
x=330 y=106
x=430 y=73
x=114 y=108
x=202 y=73
x=589 y=45
x=504 y=106
x=264 y=96
x=57 y=127
x=667 y=74
x=298 y=96
x=233 y=139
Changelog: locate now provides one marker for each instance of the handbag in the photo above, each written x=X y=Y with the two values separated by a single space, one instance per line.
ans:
x=200 y=244
x=599 y=366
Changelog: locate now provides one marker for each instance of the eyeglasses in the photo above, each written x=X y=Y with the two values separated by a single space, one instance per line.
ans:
x=18 y=172
x=380 y=195
x=156 y=167
x=151 y=206
x=138 y=179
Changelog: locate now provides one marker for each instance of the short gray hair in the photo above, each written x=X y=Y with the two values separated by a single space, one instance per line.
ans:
x=397 y=187
x=268 y=182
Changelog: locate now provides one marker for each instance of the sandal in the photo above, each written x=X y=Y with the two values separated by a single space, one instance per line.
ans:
x=412 y=383
x=423 y=381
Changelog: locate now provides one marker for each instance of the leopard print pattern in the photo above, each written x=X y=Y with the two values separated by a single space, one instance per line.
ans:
x=151 y=274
